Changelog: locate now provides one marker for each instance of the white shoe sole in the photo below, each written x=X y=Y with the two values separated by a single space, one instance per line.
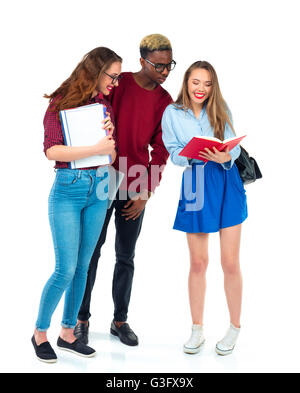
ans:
x=224 y=353
x=47 y=361
x=192 y=350
x=77 y=353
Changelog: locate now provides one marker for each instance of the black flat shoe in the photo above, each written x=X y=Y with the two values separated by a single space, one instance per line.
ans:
x=125 y=334
x=44 y=351
x=76 y=347
x=81 y=332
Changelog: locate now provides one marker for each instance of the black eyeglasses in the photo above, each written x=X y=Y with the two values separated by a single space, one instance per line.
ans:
x=114 y=78
x=160 y=67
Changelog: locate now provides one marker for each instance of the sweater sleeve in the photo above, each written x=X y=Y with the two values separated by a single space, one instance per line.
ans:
x=170 y=139
x=159 y=157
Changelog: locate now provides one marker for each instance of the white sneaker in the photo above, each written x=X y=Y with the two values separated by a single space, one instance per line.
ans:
x=227 y=344
x=195 y=341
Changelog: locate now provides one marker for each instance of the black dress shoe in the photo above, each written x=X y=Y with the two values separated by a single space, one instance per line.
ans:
x=76 y=347
x=44 y=351
x=125 y=334
x=81 y=332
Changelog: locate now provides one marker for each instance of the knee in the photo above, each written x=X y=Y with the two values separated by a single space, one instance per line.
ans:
x=230 y=266
x=125 y=259
x=63 y=277
x=199 y=265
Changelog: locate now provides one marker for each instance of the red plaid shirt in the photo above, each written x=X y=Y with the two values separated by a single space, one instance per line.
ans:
x=53 y=131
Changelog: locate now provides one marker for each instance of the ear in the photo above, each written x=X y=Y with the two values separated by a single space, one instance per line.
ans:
x=142 y=62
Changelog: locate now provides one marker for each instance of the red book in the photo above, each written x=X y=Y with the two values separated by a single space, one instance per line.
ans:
x=199 y=143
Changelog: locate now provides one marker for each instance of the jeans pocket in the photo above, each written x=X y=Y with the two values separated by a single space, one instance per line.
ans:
x=66 y=178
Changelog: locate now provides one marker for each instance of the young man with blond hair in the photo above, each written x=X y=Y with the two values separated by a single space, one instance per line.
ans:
x=138 y=104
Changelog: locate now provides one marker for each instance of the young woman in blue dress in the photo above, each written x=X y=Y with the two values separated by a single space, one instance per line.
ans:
x=213 y=196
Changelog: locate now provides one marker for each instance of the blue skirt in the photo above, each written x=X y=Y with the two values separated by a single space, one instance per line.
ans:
x=211 y=198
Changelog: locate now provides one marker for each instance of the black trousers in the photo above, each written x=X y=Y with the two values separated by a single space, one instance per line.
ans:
x=127 y=233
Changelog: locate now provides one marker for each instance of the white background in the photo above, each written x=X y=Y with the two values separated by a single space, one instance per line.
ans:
x=254 y=48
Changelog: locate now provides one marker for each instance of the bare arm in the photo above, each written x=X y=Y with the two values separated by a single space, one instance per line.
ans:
x=67 y=153
x=113 y=156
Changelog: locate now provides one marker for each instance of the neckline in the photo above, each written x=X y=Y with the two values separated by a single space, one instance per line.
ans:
x=148 y=91
x=202 y=113
x=99 y=96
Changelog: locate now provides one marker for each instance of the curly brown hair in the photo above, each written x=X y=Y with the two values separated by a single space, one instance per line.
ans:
x=77 y=89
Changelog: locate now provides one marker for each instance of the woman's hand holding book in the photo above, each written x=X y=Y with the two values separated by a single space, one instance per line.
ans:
x=215 y=155
x=106 y=145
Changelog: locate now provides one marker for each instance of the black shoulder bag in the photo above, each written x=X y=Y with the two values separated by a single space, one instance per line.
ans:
x=247 y=167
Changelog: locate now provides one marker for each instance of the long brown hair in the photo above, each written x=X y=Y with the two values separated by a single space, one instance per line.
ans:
x=77 y=89
x=216 y=108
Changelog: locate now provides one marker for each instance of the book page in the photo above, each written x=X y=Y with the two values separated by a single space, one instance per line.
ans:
x=84 y=125
x=212 y=138
x=209 y=138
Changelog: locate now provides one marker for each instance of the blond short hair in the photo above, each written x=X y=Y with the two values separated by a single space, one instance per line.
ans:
x=153 y=42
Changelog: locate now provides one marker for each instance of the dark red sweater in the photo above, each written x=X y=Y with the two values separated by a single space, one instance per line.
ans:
x=138 y=114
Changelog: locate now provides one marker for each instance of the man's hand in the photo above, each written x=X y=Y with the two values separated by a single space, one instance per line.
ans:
x=135 y=206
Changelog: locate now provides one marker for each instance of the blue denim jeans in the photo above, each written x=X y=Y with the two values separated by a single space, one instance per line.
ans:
x=77 y=208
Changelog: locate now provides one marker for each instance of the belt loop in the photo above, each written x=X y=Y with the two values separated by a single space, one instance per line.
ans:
x=79 y=174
